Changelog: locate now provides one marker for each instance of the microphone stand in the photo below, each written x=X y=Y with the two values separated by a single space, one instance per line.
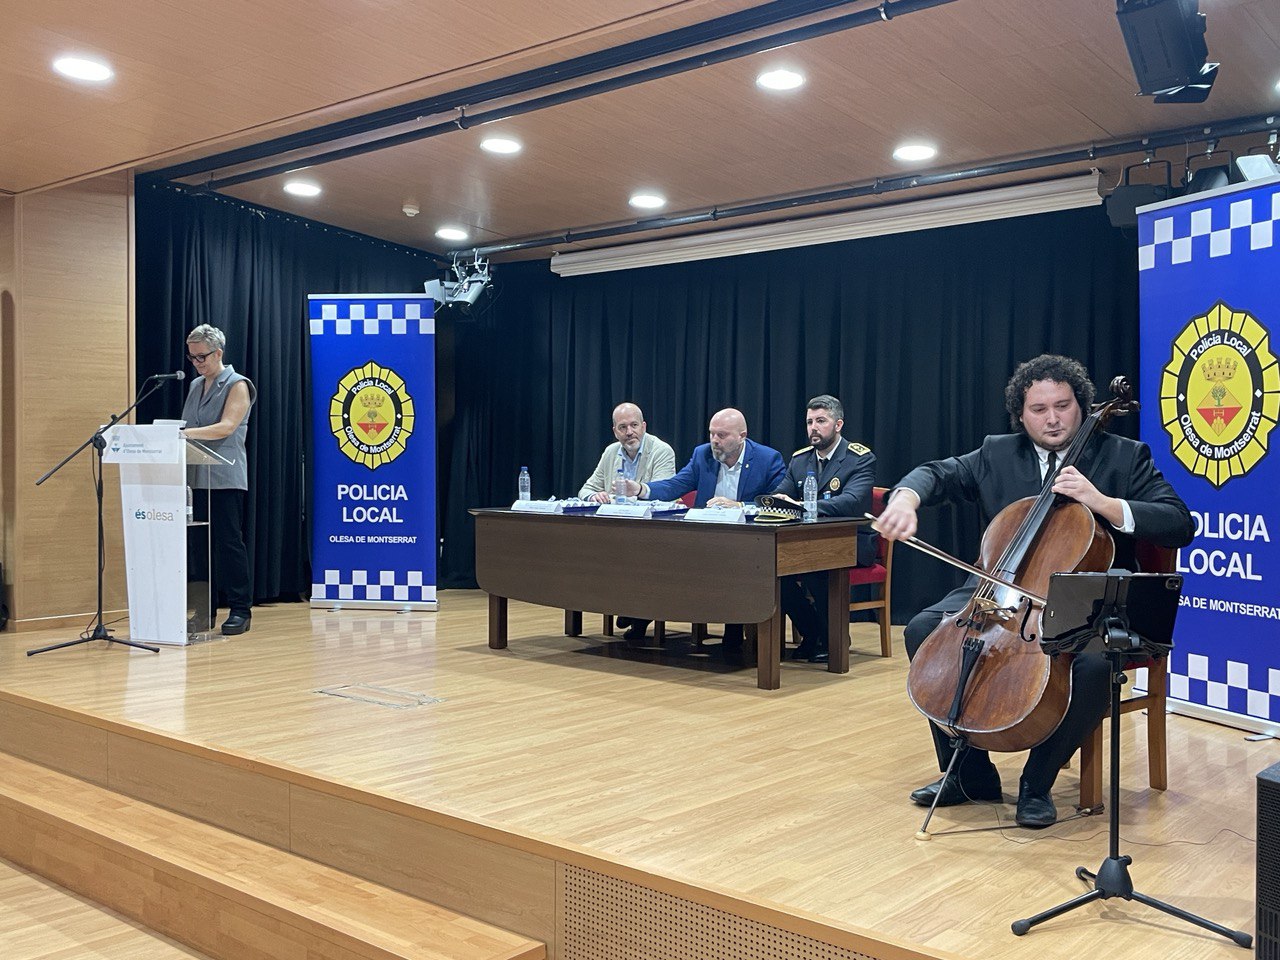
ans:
x=98 y=441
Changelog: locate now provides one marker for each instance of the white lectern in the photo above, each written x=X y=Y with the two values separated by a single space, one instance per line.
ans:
x=163 y=546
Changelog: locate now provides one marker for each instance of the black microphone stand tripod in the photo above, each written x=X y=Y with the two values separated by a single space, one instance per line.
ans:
x=98 y=441
x=1112 y=877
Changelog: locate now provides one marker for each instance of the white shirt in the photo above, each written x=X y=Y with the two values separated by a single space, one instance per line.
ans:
x=1043 y=456
x=727 y=480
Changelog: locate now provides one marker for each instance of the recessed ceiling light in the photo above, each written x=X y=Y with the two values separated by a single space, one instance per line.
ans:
x=81 y=68
x=647 y=201
x=915 y=152
x=302 y=188
x=780 y=80
x=451 y=233
x=500 y=145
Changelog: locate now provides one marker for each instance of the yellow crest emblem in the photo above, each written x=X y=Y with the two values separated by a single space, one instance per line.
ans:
x=1220 y=394
x=371 y=415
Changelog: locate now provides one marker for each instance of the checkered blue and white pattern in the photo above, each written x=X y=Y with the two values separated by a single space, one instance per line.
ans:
x=372 y=315
x=1240 y=688
x=406 y=586
x=1192 y=232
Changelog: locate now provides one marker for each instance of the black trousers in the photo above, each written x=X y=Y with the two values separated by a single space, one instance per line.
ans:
x=1090 y=700
x=230 y=573
x=804 y=600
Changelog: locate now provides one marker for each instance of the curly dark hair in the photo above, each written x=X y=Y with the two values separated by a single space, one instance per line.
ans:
x=1047 y=366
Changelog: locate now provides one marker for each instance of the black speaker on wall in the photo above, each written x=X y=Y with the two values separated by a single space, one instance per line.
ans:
x=1267 y=941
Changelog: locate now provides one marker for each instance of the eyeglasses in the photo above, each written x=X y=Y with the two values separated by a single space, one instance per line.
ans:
x=200 y=357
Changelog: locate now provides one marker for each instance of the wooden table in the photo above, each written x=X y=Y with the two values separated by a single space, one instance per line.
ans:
x=665 y=569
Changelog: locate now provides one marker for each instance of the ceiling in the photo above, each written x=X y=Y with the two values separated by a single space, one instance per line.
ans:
x=984 y=80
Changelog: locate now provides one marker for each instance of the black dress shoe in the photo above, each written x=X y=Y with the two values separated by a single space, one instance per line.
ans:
x=236 y=624
x=955 y=793
x=1035 y=810
x=636 y=629
x=622 y=622
x=822 y=656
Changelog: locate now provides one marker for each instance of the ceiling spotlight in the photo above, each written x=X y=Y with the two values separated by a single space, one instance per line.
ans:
x=80 y=68
x=410 y=209
x=647 y=201
x=780 y=80
x=915 y=152
x=451 y=233
x=500 y=145
x=302 y=188
x=472 y=279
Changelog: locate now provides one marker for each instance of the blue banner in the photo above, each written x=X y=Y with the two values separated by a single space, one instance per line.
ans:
x=373 y=407
x=1208 y=266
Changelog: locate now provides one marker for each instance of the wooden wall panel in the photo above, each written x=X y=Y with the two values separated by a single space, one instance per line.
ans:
x=8 y=441
x=496 y=884
x=68 y=364
x=227 y=796
x=78 y=749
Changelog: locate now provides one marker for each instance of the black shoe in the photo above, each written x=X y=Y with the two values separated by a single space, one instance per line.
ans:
x=1035 y=810
x=236 y=624
x=955 y=793
x=822 y=656
x=732 y=652
x=622 y=622
x=636 y=629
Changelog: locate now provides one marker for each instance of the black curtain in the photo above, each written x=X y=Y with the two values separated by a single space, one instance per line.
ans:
x=247 y=271
x=916 y=333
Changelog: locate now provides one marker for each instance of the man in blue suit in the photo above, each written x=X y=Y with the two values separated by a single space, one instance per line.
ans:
x=726 y=472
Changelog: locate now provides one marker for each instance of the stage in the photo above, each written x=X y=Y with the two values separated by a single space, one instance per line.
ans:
x=663 y=771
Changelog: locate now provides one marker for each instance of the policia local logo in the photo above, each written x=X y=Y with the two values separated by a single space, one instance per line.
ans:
x=371 y=415
x=1220 y=394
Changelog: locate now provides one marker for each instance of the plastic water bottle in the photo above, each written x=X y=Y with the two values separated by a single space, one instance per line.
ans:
x=619 y=486
x=525 y=485
x=810 y=498
x=191 y=511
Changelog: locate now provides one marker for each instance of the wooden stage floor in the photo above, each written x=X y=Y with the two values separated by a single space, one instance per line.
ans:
x=678 y=765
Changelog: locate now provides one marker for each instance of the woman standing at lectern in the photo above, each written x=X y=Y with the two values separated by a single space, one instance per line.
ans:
x=217 y=414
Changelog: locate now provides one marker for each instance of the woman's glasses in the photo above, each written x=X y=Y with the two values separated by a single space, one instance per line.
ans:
x=200 y=357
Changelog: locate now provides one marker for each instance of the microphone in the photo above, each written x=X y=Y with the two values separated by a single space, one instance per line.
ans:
x=176 y=375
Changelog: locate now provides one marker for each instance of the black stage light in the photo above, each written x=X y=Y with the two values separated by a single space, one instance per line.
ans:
x=1123 y=203
x=1168 y=49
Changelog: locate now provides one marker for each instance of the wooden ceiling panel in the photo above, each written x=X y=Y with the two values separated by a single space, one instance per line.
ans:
x=983 y=79
x=265 y=60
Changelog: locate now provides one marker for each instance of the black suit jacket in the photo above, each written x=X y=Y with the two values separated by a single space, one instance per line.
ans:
x=844 y=487
x=1005 y=469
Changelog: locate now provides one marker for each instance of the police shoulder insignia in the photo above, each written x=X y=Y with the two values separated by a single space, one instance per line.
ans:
x=859 y=448
x=802 y=450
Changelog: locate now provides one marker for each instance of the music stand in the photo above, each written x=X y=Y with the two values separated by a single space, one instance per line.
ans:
x=1120 y=614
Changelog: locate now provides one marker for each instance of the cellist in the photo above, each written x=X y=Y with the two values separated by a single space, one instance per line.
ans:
x=1047 y=399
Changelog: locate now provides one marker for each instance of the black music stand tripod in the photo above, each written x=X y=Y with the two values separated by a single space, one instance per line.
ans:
x=98 y=441
x=1121 y=614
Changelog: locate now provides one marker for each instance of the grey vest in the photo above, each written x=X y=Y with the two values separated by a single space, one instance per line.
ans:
x=203 y=410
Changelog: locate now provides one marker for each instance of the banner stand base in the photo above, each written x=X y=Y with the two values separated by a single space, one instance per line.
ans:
x=390 y=606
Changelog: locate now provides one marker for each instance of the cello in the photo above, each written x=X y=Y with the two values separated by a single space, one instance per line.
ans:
x=980 y=675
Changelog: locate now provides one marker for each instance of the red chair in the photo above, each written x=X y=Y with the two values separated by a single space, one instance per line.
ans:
x=1151 y=559
x=880 y=573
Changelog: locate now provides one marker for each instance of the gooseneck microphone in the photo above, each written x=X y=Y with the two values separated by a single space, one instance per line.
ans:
x=176 y=375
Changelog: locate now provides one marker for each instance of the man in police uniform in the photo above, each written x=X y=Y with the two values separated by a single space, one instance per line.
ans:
x=845 y=473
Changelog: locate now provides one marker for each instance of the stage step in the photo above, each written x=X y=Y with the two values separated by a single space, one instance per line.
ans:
x=220 y=893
